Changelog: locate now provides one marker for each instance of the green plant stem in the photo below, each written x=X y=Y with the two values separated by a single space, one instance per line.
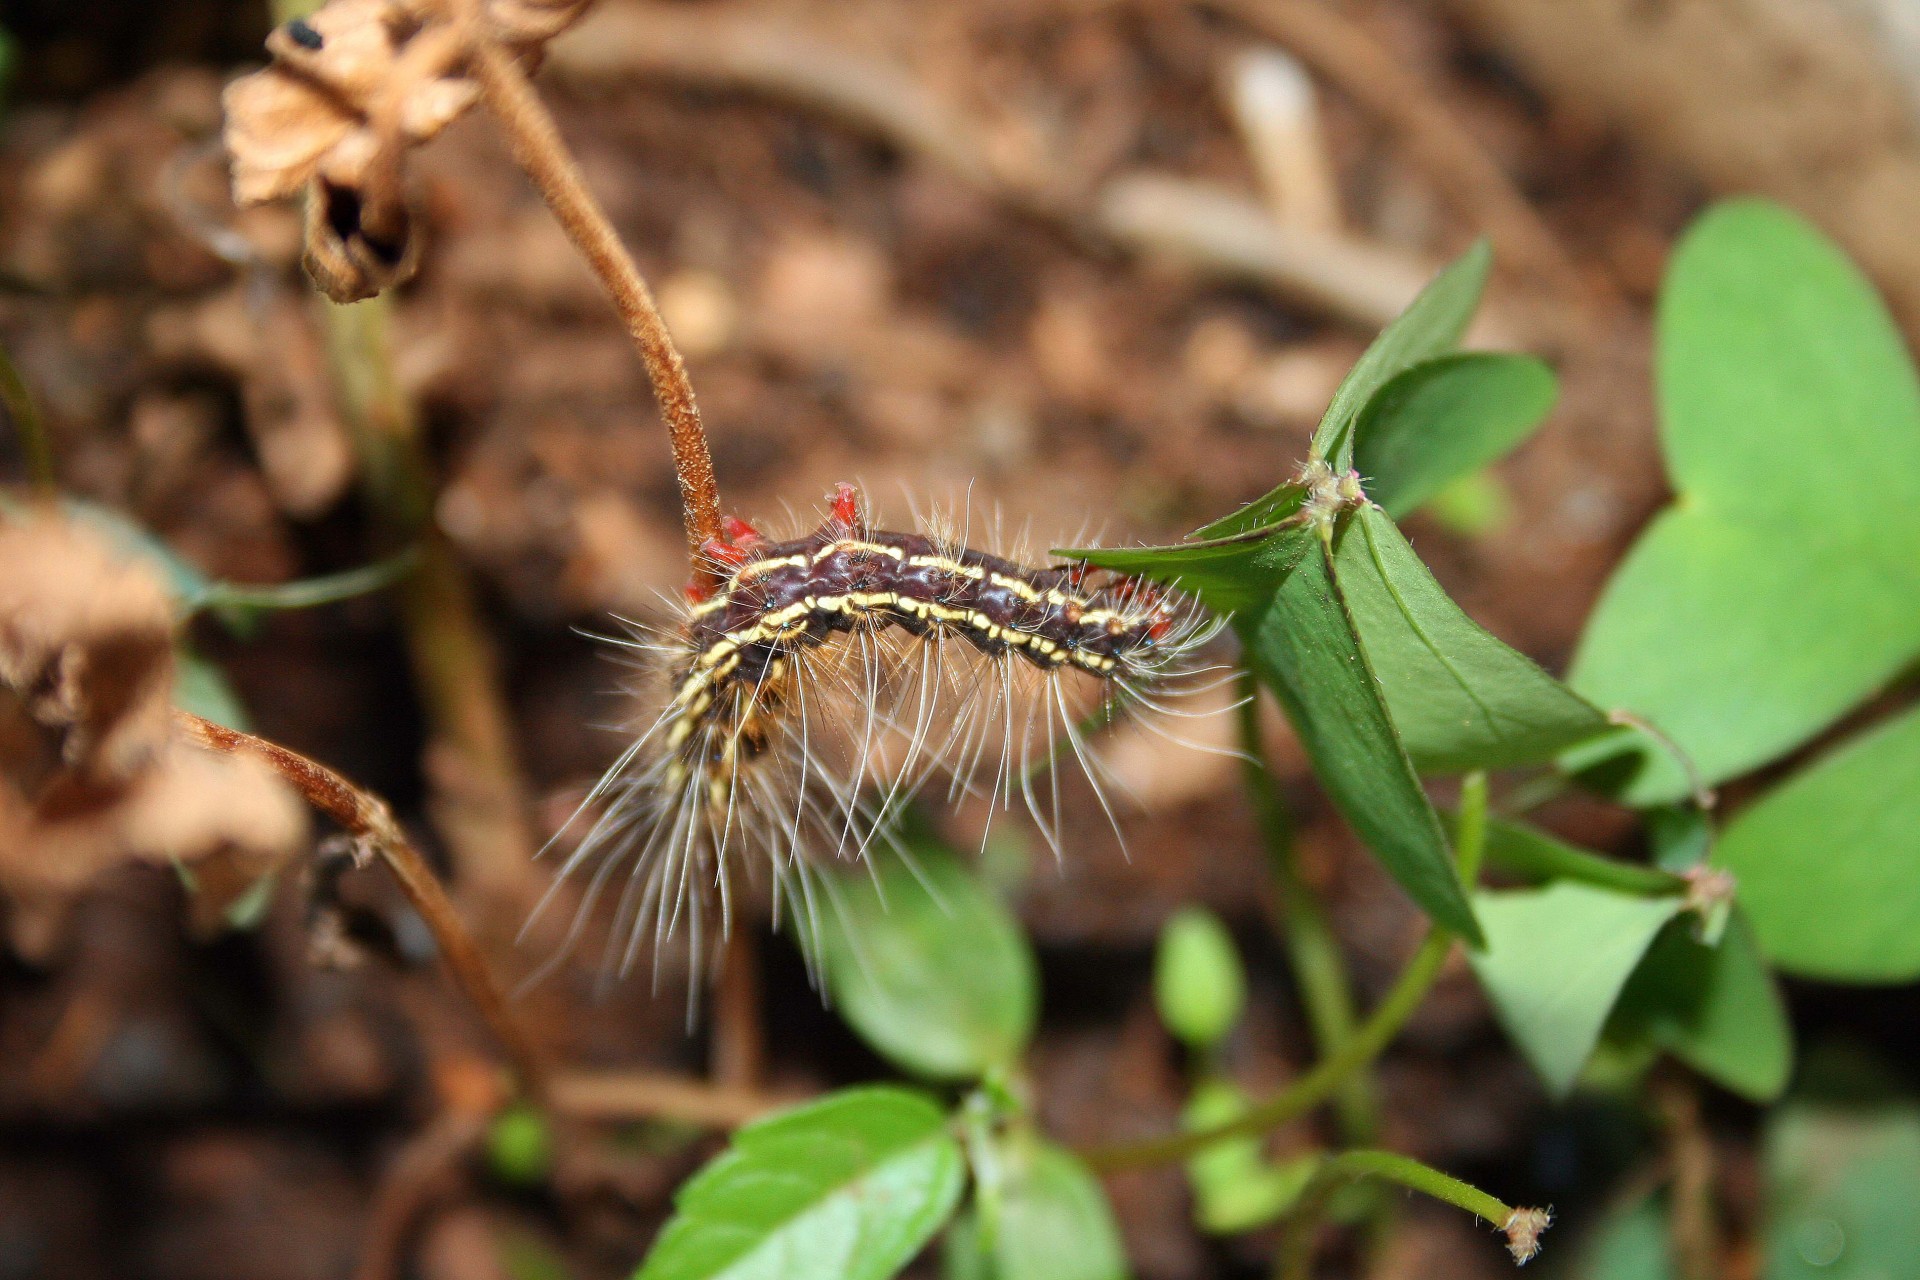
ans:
x=1372 y=1036
x=1296 y=1250
x=304 y=593
x=478 y=794
x=1312 y=951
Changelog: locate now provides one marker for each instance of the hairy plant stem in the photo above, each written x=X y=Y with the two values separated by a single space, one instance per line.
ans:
x=367 y=817
x=538 y=147
x=1295 y=1259
x=1372 y=1036
x=1312 y=951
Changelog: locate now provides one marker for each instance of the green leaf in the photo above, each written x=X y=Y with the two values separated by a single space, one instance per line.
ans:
x=1430 y=327
x=1054 y=1222
x=1628 y=1244
x=1235 y=1187
x=1301 y=643
x=1460 y=698
x=1444 y=419
x=1842 y=1183
x=930 y=968
x=1555 y=961
x=1826 y=861
x=1535 y=856
x=1716 y=1008
x=1303 y=646
x=1783 y=585
x=1474 y=506
x=846 y=1188
x=1229 y=576
x=1198 y=984
x=202 y=688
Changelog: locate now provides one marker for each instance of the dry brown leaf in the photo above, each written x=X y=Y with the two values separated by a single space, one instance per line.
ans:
x=351 y=89
x=91 y=773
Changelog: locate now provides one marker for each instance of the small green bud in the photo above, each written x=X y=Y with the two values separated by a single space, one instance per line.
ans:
x=520 y=1147
x=1198 y=983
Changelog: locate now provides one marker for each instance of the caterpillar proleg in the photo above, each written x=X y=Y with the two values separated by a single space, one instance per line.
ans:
x=824 y=681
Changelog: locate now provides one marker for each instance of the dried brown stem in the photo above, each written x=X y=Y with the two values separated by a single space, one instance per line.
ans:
x=1212 y=230
x=422 y=1173
x=645 y=1095
x=538 y=147
x=737 y=1056
x=368 y=818
x=1692 y=1219
x=1343 y=52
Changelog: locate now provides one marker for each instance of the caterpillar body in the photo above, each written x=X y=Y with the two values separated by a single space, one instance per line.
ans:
x=846 y=656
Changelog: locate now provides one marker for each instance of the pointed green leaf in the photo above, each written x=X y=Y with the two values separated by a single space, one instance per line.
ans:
x=1228 y=576
x=1301 y=642
x=930 y=968
x=846 y=1188
x=1444 y=419
x=1767 y=601
x=1460 y=698
x=1536 y=857
x=1054 y=1221
x=1430 y=327
x=1826 y=861
x=1555 y=961
x=1304 y=647
x=1276 y=507
x=1715 y=1008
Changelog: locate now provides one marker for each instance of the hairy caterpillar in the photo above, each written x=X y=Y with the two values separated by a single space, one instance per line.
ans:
x=822 y=662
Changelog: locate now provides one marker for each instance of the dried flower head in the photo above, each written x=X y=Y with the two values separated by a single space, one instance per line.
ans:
x=91 y=774
x=351 y=89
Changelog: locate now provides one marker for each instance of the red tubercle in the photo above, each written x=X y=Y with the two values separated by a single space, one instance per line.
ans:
x=739 y=533
x=843 y=506
x=1148 y=595
x=738 y=543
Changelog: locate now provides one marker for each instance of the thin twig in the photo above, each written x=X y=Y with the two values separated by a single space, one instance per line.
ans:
x=1343 y=52
x=420 y=1174
x=1210 y=228
x=645 y=1095
x=737 y=1053
x=1694 y=1224
x=538 y=147
x=368 y=818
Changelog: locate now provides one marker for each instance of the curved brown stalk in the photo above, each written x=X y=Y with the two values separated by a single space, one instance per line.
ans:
x=367 y=817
